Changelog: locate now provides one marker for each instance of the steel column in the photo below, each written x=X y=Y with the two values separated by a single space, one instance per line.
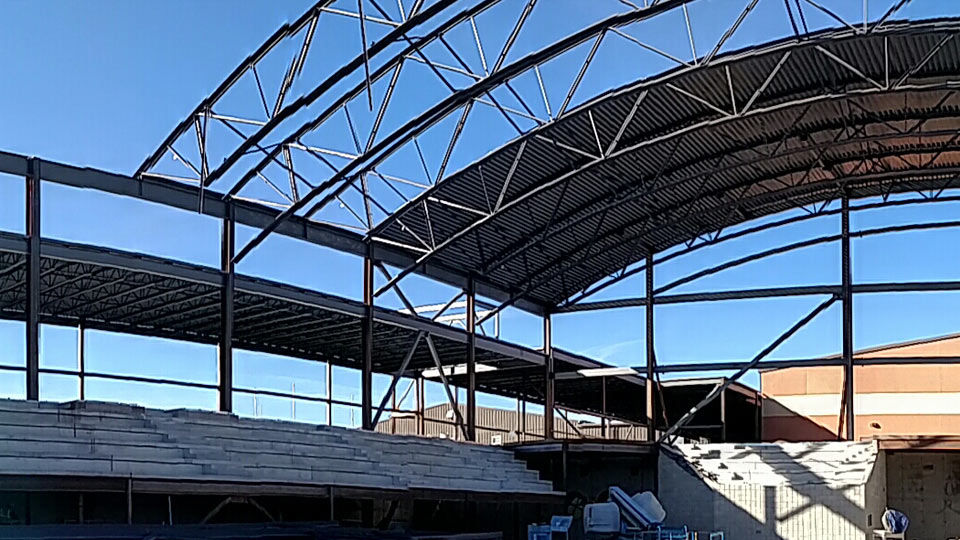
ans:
x=81 y=359
x=471 y=323
x=421 y=421
x=228 y=276
x=366 y=376
x=651 y=355
x=603 y=407
x=329 y=393
x=32 y=314
x=723 y=415
x=847 y=303
x=549 y=378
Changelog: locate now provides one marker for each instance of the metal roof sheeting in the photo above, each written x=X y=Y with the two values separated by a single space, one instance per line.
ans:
x=871 y=114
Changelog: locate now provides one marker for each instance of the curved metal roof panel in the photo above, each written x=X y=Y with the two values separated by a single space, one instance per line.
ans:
x=678 y=158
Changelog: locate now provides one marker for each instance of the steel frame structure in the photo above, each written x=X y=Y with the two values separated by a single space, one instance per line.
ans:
x=102 y=289
x=574 y=196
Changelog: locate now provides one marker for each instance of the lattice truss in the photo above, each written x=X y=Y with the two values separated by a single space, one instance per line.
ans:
x=526 y=139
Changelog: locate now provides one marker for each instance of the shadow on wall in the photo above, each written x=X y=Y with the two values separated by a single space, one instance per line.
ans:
x=763 y=493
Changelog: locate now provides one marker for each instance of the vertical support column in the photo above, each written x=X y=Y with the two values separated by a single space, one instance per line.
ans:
x=651 y=355
x=847 y=299
x=81 y=359
x=421 y=408
x=758 y=412
x=33 y=278
x=517 y=423
x=603 y=406
x=723 y=415
x=549 y=378
x=329 y=394
x=471 y=324
x=523 y=420
x=225 y=346
x=366 y=336
x=129 y=500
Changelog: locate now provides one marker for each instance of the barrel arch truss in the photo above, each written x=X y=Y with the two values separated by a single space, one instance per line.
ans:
x=575 y=187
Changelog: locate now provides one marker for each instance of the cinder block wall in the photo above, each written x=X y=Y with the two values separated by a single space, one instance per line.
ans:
x=876 y=493
x=763 y=512
x=926 y=487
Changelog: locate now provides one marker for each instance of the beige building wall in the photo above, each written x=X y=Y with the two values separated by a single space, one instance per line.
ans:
x=503 y=426
x=804 y=404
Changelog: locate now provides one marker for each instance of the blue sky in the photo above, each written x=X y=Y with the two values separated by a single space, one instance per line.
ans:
x=101 y=84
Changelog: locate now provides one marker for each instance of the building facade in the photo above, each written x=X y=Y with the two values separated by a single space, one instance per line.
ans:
x=805 y=403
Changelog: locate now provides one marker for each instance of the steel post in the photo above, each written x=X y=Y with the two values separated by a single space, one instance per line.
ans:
x=366 y=376
x=228 y=276
x=847 y=303
x=421 y=421
x=549 y=378
x=471 y=319
x=329 y=393
x=32 y=315
x=603 y=407
x=723 y=415
x=81 y=359
x=651 y=355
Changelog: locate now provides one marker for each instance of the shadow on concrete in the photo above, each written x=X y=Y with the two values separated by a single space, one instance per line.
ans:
x=802 y=505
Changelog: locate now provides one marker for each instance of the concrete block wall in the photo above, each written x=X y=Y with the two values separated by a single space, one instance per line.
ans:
x=875 y=493
x=745 y=509
x=926 y=487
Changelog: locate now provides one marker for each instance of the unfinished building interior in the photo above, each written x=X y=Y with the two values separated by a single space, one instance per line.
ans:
x=544 y=206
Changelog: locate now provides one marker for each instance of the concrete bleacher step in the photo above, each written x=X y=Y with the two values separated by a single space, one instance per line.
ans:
x=94 y=438
x=97 y=448
x=12 y=430
x=65 y=464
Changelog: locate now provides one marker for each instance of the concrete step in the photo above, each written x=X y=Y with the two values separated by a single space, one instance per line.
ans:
x=66 y=464
x=28 y=431
x=90 y=438
x=239 y=444
x=96 y=448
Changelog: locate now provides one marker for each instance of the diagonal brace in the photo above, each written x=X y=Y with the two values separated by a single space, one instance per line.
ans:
x=751 y=365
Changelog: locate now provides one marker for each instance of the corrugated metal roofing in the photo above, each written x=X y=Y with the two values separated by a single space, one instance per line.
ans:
x=870 y=114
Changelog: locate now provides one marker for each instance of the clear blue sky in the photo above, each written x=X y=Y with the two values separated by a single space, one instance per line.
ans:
x=102 y=83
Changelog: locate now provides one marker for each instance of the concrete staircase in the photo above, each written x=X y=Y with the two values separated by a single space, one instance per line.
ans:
x=109 y=439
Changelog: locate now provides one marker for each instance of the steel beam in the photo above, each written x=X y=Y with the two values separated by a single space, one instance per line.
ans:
x=471 y=317
x=550 y=374
x=32 y=315
x=847 y=303
x=228 y=277
x=651 y=355
x=366 y=338
x=182 y=196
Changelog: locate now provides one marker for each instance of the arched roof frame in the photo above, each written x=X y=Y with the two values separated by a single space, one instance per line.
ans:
x=871 y=153
x=573 y=133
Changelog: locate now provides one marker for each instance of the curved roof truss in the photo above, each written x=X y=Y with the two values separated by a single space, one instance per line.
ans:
x=580 y=191
x=785 y=126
